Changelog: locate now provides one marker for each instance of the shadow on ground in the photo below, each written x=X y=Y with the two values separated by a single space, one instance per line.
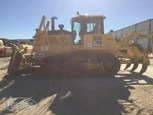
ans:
x=75 y=96
x=4 y=68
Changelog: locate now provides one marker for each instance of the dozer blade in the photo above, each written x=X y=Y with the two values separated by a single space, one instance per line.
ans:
x=14 y=64
x=144 y=68
x=134 y=67
x=127 y=66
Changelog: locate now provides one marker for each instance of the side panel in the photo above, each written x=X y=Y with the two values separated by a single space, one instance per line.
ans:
x=98 y=41
x=54 y=45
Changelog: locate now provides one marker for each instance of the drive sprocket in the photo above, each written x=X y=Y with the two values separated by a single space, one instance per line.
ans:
x=111 y=64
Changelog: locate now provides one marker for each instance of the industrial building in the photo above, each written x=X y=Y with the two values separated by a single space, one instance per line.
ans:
x=22 y=41
x=145 y=27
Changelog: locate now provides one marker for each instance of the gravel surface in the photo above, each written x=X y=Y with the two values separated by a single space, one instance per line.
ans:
x=125 y=94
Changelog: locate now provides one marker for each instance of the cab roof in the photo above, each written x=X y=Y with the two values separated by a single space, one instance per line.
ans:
x=89 y=16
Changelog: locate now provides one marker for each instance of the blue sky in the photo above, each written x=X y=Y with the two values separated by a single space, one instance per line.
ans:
x=20 y=18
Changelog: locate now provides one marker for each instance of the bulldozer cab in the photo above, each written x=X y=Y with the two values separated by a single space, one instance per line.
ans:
x=88 y=32
x=84 y=24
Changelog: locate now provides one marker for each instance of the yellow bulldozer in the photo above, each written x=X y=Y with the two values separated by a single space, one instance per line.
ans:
x=83 y=49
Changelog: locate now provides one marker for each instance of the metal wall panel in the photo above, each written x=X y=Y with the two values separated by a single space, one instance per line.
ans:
x=118 y=34
x=128 y=30
x=145 y=27
x=146 y=31
x=151 y=26
x=144 y=42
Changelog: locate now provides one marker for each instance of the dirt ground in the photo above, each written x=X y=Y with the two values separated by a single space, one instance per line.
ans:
x=125 y=94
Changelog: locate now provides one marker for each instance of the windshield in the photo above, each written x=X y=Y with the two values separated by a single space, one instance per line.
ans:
x=93 y=25
x=87 y=25
x=76 y=31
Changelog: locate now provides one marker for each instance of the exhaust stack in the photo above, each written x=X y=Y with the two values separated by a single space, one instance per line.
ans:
x=53 y=23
